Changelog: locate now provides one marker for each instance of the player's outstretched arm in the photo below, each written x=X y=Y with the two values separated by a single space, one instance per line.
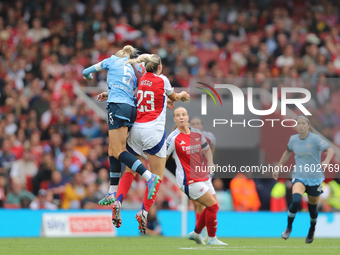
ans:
x=183 y=96
x=92 y=69
x=285 y=156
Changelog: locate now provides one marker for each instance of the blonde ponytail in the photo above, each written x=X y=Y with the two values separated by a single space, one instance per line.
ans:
x=142 y=58
x=152 y=61
x=128 y=51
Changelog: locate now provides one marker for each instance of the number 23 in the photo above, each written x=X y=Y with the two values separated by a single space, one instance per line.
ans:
x=143 y=94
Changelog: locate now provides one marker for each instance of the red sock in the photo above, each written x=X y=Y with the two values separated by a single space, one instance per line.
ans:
x=211 y=220
x=124 y=186
x=200 y=222
x=197 y=216
x=147 y=203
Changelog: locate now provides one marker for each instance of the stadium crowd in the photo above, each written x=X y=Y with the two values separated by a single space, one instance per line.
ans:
x=54 y=148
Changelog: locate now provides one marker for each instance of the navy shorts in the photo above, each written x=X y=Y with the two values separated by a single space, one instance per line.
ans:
x=121 y=115
x=314 y=191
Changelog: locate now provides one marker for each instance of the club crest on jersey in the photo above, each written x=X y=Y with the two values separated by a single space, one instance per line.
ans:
x=309 y=146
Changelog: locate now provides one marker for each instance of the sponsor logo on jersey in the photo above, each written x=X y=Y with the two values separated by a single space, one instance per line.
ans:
x=182 y=143
x=309 y=146
x=197 y=139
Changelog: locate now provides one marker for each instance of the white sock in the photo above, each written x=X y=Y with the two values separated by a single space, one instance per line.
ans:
x=113 y=188
x=147 y=175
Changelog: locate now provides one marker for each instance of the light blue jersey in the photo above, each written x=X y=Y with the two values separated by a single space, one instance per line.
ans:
x=121 y=80
x=307 y=151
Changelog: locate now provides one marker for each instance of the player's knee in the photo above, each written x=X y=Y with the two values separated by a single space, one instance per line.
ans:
x=296 y=200
x=110 y=151
x=114 y=152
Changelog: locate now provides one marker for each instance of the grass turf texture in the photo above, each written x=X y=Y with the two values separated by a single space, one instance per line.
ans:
x=162 y=245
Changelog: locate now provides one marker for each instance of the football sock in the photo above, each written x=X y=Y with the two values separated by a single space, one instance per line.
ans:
x=200 y=222
x=313 y=212
x=293 y=208
x=197 y=216
x=115 y=172
x=211 y=219
x=147 y=203
x=134 y=164
x=124 y=186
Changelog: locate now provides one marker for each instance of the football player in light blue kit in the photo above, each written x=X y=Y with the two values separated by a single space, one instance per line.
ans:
x=121 y=104
x=308 y=174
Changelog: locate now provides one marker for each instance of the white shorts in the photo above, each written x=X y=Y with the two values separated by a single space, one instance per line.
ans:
x=198 y=189
x=146 y=140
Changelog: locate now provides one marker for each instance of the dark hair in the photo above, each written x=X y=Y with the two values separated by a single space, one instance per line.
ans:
x=308 y=121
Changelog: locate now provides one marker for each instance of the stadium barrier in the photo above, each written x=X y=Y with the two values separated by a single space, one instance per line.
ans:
x=66 y=223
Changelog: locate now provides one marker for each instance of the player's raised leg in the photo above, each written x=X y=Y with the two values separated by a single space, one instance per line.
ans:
x=123 y=189
x=157 y=166
x=119 y=152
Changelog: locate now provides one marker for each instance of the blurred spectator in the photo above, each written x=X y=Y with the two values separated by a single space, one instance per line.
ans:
x=57 y=187
x=18 y=192
x=244 y=194
x=89 y=176
x=2 y=190
x=92 y=197
x=41 y=202
x=24 y=169
x=44 y=173
x=264 y=187
x=6 y=157
x=38 y=32
x=224 y=199
x=153 y=227
x=74 y=193
x=103 y=180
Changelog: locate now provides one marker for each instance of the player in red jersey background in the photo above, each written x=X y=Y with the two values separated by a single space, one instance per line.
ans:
x=188 y=146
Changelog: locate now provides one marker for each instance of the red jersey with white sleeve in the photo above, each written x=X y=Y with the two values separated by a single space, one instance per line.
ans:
x=152 y=100
x=187 y=150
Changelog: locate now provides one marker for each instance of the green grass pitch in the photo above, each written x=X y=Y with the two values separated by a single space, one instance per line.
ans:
x=163 y=245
